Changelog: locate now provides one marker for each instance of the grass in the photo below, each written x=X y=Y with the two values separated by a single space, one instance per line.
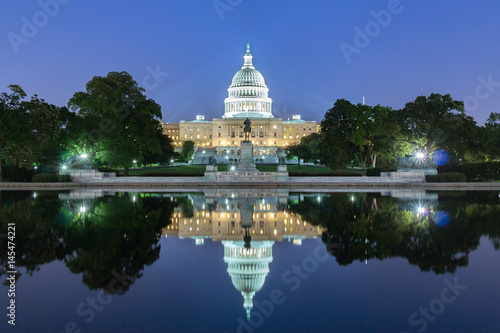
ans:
x=199 y=170
x=184 y=171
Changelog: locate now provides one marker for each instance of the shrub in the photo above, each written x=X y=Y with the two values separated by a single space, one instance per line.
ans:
x=168 y=174
x=15 y=174
x=105 y=169
x=475 y=171
x=448 y=177
x=375 y=172
x=326 y=174
x=51 y=178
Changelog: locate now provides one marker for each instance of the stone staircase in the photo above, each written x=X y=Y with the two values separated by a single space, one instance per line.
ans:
x=202 y=155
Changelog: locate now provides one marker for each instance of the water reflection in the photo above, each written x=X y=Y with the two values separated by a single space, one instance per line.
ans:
x=434 y=234
x=103 y=234
x=248 y=223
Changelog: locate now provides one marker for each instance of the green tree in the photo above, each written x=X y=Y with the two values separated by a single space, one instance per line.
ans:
x=81 y=139
x=308 y=149
x=358 y=130
x=187 y=150
x=12 y=119
x=167 y=151
x=492 y=136
x=126 y=121
x=32 y=131
x=48 y=127
x=296 y=150
x=437 y=122
x=386 y=139
x=336 y=150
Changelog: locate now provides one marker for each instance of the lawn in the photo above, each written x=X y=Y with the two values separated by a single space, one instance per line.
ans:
x=198 y=170
x=184 y=170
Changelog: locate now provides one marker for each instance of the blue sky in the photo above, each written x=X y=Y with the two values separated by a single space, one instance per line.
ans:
x=428 y=46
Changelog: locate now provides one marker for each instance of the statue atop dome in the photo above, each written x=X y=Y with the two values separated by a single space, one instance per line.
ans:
x=248 y=49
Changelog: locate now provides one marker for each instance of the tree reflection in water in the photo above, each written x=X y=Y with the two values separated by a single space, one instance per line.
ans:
x=434 y=236
x=98 y=238
x=105 y=236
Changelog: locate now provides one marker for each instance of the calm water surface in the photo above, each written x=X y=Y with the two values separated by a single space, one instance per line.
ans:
x=245 y=261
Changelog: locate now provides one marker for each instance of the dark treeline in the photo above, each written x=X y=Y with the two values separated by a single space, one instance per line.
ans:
x=110 y=124
x=371 y=136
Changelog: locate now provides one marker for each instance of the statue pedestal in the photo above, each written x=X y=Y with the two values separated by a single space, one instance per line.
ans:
x=282 y=173
x=211 y=172
x=246 y=170
x=246 y=163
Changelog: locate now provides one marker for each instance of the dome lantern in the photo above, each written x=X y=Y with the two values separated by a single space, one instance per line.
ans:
x=248 y=58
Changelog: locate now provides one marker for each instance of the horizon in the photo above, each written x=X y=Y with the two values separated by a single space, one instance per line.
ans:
x=312 y=56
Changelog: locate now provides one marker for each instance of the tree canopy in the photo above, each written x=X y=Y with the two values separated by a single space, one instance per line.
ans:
x=125 y=121
x=32 y=132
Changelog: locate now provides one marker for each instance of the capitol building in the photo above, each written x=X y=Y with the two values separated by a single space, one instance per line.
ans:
x=248 y=97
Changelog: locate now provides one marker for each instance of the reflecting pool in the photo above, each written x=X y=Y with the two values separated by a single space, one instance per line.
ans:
x=250 y=261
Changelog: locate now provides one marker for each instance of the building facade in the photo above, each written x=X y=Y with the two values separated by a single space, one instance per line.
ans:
x=248 y=97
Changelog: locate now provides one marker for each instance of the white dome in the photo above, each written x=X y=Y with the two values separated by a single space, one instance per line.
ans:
x=248 y=93
x=248 y=77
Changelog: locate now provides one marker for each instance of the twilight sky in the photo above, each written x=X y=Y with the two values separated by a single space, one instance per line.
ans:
x=425 y=46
